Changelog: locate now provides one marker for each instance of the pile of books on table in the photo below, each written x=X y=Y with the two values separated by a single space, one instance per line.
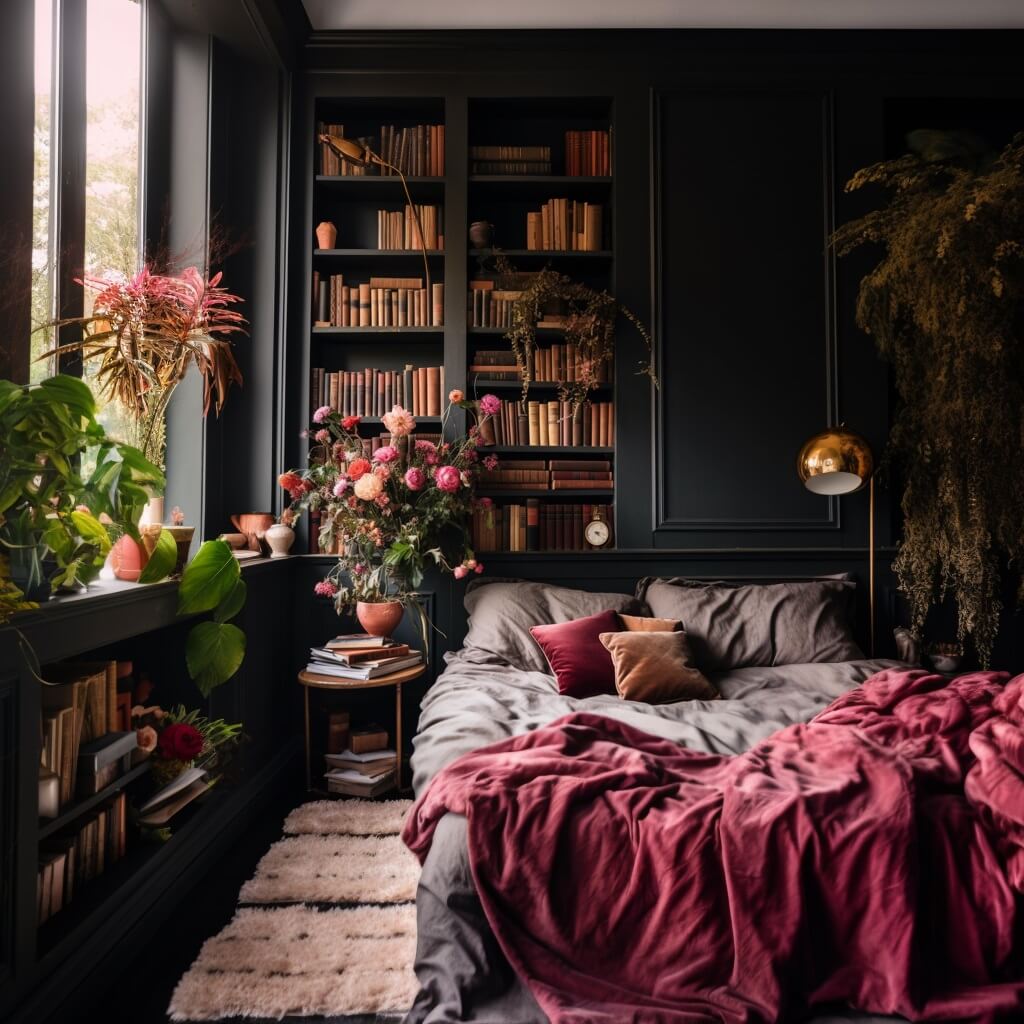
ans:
x=364 y=773
x=359 y=656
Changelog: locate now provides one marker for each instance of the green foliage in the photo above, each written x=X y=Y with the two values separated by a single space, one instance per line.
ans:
x=213 y=653
x=48 y=508
x=208 y=579
x=944 y=305
x=163 y=559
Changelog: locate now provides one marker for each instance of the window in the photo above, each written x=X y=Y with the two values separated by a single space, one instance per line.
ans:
x=88 y=60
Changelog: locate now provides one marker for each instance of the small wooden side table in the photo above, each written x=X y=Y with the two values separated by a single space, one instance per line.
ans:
x=314 y=680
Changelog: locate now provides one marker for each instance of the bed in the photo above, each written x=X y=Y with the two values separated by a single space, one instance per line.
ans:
x=498 y=686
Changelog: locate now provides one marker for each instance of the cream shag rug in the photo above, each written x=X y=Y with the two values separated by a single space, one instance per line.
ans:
x=306 y=961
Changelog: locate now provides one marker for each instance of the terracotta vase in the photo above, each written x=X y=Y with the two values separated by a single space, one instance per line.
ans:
x=254 y=525
x=280 y=538
x=127 y=559
x=326 y=235
x=379 y=618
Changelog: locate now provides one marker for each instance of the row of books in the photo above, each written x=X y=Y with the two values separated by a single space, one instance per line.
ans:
x=588 y=153
x=510 y=159
x=81 y=706
x=81 y=853
x=555 y=363
x=379 y=302
x=566 y=225
x=592 y=425
x=372 y=392
x=535 y=526
x=540 y=475
x=416 y=150
x=396 y=229
x=489 y=307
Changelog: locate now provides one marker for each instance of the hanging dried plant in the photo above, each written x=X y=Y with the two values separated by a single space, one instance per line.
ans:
x=944 y=305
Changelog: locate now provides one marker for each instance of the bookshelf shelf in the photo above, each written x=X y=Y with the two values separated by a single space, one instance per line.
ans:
x=567 y=497
x=426 y=332
x=542 y=254
x=511 y=180
x=535 y=385
x=373 y=421
x=48 y=826
x=405 y=254
x=551 y=332
x=385 y=188
x=544 y=449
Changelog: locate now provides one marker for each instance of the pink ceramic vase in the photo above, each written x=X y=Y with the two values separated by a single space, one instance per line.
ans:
x=379 y=618
x=326 y=234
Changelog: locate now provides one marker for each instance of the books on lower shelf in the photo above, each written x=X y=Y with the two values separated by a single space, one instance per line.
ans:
x=535 y=525
x=373 y=392
x=509 y=160
x=379 y=302
x=555 y=363
x=554 y=424
x=80 y=853
x=588 y=153
x=417 y=150
x=542 y=475
x=396 y=229
x=566 y=225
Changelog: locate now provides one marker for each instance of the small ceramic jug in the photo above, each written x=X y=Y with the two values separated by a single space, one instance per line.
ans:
x=280 y=538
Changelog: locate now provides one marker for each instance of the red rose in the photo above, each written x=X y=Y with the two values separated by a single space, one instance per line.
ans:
x=358 y=468
x=351 y=422
x=180 y=742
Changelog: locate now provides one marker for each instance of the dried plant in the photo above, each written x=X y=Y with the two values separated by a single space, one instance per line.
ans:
x=944 y=305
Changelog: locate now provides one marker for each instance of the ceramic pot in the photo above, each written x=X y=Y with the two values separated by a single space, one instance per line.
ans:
x=480 y=234
x=127 y=559
x=183 y=538
x=379 y=618
x=153 y=512
x=254 y=525
x=326 y=234
x=280 y=538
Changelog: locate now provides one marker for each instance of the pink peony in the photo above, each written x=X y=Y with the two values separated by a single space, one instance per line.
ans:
x=447 y=479
x=431 y=459
x=399 y=421
x=427 y=447
x=490 y=405
x=322 y=436
x=341 y=486
x=368 y=487
x=478 y=568
x=357 y=468
x=382 y=471
x=455 y=396
x=387 y=453
x=325 y=588
x=382 y=501
x=321 y=414
x=491 y=462
x=415 y=478
x=460 y=572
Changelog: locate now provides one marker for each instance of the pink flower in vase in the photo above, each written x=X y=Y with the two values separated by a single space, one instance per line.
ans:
x=368 y=487
x=490 y=405
x=341 y=486
x=415 y=478
x=447 y=479
x=386 y=453
x=321 y=414
x=455 y=396
x=460 y=572
x=426 y=447
x=325 y=588
x=491 y=462
x=322 y=436
x=382 y=471
x=399 y=422
x=478 y=568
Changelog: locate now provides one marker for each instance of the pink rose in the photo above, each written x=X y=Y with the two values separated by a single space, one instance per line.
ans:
x=399 y=422
x=490 y=405
x=455 y=396
x=491 y=462
x=460 y=572
x=479 y=568
x=388 y=453
x=322 y=436
x=447 y=479
x=431 y=458
x=321 y=414
x=325 y=588
x=341 y=486
x=146 y=738
x=415 y=478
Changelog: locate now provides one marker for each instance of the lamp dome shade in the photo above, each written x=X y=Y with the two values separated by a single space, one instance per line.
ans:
x=836 y=461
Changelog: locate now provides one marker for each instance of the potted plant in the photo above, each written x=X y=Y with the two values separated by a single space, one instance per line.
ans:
x=944 y=304
x=57 y=521
x=146 y=332
x=392 y=511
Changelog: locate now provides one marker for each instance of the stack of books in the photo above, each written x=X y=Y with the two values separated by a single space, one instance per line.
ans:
x=556 y=363
x=566 y=225
x=373 y=392
x=509 y=159
x=396 y=229
x=588 y=153
x=359 y=656
x=379 y=302
x=541 y=475
x=535 y=526
x=367 y=773
x=554 y=424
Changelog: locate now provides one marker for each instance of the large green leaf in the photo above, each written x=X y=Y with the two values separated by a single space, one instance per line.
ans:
x=161 y=563
x=91 y=529
x=232 y=604
x=71 y=392
x=208 y=578
x=213 y=652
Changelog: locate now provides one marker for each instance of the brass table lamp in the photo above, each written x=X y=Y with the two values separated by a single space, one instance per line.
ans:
x=838 y=461
x=362 y=156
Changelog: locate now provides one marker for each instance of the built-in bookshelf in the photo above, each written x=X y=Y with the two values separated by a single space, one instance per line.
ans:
x=539 y=171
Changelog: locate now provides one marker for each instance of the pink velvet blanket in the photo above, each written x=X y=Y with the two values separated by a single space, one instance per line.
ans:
x=872 y=857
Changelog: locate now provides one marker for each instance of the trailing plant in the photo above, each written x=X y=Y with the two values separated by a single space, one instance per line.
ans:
x=212 y=581
x=589 y=324
x=944 y=305
x=55 y=523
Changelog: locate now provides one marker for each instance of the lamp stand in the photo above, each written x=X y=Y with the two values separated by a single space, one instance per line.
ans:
x=871 y=561
x=419 y=227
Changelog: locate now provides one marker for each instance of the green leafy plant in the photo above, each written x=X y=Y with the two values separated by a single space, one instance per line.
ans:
x=211 y=582
x=57 y=524
x=944 y=305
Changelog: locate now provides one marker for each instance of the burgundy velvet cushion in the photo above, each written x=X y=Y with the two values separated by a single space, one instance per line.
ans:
x=580 y=662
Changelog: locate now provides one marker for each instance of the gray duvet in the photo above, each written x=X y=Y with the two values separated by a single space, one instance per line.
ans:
x=481 y=698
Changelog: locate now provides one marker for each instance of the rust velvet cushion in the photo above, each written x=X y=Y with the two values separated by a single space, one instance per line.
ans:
x=656 y=667
x=646 y=624
x=580 y=662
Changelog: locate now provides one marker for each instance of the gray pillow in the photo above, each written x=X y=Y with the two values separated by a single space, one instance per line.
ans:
x=739 y=625
x=501 y=613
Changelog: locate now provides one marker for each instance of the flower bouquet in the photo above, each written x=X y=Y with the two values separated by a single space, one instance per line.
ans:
x=395 y=510
x=178 y=739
